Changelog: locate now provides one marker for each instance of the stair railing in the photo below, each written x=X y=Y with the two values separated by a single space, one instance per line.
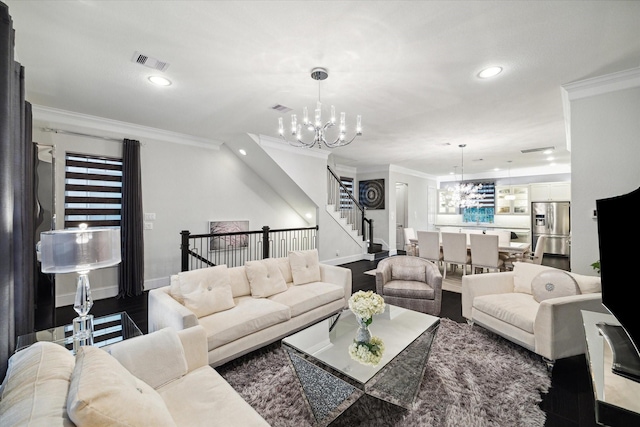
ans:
x=349 y=208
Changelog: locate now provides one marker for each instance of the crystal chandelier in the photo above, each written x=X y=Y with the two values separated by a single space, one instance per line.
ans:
x=316 y=126
x=463 y=195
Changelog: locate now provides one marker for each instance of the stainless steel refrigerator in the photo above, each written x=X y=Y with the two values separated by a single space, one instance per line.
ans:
x=552 y=219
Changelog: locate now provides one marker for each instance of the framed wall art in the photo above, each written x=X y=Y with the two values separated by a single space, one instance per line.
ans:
x=372 y=193
x=228 y=242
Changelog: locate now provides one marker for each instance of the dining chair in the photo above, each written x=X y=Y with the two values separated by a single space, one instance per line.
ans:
x=536 y=256
x=410 y=248
x=485 y=253
x=454 y=252
x=429 y=244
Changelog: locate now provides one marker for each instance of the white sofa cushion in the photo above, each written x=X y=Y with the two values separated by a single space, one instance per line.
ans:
x=156 y=371
x=265 y=278
x=524 y=272
x=517 y=308
x=239 y=282
x=35 y=388
x=587 y=284
x=248 y=316
x=206 y=290
x=204 y=399
x=305 y=266
x=104 y=393
x=553 y=284
x=303 y=298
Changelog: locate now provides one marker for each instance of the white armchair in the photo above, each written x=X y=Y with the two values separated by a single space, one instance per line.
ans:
x=535 y=311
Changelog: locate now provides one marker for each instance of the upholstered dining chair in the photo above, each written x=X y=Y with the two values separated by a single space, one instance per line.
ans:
x=429 y=244
x=454 y=252
x=410 y=248
x=485 y=253
x=536 y=256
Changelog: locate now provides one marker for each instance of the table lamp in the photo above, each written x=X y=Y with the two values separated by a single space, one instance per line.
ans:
x=80 y=250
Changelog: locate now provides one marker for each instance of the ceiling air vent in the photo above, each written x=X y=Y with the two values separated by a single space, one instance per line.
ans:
x=535 y=150
x=150 y=62
x=281 y=108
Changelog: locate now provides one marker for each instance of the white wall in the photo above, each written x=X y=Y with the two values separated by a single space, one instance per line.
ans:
x=308 y=168
x=184 y=185
x=605 y=154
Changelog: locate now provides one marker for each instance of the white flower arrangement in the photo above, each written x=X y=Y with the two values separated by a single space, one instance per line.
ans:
x=367 y=353
x=366 y=304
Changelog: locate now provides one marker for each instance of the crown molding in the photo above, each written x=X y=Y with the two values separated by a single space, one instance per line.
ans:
x=603 y=84
x=279 y=144
x=406 y=171
x=56 y=117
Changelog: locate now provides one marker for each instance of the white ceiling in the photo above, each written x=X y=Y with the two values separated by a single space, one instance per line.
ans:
x=408 y=67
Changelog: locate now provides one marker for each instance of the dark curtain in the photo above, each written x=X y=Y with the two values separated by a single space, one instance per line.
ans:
x=17 y=213
x=132 y=267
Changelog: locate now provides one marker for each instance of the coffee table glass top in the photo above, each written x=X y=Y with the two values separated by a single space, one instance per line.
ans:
x=329 y=340
x=107 y=330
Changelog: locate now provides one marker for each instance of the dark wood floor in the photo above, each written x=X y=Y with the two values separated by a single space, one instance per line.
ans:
x=569 y=402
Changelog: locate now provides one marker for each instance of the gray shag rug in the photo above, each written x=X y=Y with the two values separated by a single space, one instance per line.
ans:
x=473 y=378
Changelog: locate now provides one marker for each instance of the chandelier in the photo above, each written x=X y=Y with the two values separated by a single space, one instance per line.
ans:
x=316 y=126
x=463 y=195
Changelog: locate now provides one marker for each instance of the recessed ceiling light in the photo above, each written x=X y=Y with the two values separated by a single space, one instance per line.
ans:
x=159 y=80
x=550 y=158
x=308 y=215
x=548 y=151
x=242 y=151
x=489 y=72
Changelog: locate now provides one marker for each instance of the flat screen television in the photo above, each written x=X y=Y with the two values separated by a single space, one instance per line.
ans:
x=618 y=276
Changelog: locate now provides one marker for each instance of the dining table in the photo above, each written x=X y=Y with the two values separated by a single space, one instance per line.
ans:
x=514 y=248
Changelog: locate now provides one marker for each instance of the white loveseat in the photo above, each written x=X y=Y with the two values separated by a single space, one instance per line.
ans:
x=160 y=379
x=535 y=306
x=244 y=308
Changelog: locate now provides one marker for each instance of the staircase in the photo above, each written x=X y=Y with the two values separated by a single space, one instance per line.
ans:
x=347 y=211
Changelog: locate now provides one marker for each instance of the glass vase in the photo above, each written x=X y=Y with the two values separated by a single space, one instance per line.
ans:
x=363 y=334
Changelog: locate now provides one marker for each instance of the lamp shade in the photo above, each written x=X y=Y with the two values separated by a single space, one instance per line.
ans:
x=76 y=250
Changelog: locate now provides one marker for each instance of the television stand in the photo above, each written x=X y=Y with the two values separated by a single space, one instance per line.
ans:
x=626 y=361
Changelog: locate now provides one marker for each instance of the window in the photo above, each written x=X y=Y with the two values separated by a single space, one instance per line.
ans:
x=92 y=191
x=345 y=200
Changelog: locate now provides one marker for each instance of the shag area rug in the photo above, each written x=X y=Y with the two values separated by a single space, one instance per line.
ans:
x=474 y=378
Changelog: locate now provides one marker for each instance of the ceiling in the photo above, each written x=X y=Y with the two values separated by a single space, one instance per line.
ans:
x=408 y=67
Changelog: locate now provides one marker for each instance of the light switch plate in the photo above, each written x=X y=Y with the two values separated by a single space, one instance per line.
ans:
x=148 y=226
x=149 y=217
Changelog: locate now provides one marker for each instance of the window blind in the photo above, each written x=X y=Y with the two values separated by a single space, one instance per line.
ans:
x=93 y=191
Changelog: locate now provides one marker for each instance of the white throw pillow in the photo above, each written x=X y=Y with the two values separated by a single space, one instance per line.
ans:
x=588 y=284
x=265 y=278
x=207 y=290
x=104 y=393
x=553 y=284
x=523 y=274
x=174 y=289
x=305 y=266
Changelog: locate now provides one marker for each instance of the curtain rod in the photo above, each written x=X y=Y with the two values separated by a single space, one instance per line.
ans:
x=68 y=132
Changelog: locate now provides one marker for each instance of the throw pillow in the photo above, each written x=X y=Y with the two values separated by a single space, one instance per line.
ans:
x=305 y=266
x=588 y=284
x=207 y=290
x=414 y=273
x=104 y=393
x=174 y=289
x=265 y=278
x=553 y=284
x=523 y=274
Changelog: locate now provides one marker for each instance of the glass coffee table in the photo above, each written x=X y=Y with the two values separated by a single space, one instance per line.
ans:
x=332 y=381
x=107 y=330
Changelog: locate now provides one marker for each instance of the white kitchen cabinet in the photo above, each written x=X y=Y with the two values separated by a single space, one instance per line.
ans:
x=551 y=191
x=512 y=200
x=443 y=207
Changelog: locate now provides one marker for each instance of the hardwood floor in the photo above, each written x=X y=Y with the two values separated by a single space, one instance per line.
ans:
x=569 y=402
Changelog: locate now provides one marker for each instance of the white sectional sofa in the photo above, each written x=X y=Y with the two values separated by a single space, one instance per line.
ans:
x=535 y=306
x=244 y=308
x=160 y=379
